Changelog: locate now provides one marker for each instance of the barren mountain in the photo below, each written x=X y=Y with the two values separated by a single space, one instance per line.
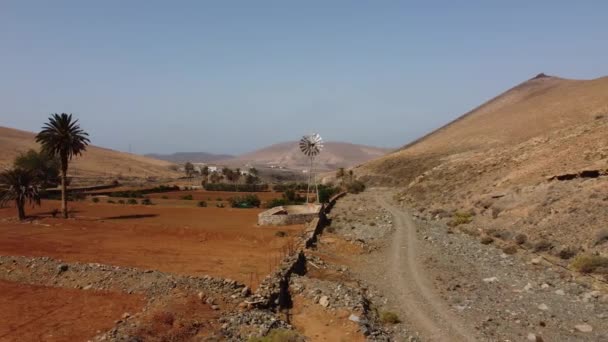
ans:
x=95 y=162
x=288 y=155
x=194 y=157
x=533 y=160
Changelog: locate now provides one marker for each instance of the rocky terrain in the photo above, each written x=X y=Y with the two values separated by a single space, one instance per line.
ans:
x=495 y=293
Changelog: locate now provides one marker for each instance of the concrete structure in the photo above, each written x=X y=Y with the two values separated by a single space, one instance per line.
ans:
x=289 y=214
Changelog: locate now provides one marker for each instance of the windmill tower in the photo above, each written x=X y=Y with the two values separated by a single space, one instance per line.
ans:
x=311 y=146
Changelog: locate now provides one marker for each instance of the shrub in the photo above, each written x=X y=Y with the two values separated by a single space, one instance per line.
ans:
x=510 y=250
x=355 y=187
x=219 y=205
x=567 y=253
x=164 y=197
x=388 y=317
x=280 y=233
x=520 y=239
x=121 y=201
x=601 y=237
x=326 y=192
x=373 y=224
x=202 y=204
x=279 y=335
x=276 y=202
x=486 y=240
x=95 y=200
x=460 y=218
x=111 y=201
x=219 y=199
x=146 y=201
x=247 y=201
x=187 y=197
x=543 y=246
x=131 y=201
x=590 y=264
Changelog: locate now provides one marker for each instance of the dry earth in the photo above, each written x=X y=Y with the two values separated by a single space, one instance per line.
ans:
x=447 y=286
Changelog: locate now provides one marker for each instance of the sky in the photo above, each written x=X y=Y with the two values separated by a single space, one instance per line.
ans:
x=234 y=76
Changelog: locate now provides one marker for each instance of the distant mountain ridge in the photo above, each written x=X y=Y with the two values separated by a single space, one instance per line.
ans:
x=194 y=157
x=288 y=155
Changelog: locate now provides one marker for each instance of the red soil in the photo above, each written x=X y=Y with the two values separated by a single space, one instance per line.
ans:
x=38 y=313
x=222 y=242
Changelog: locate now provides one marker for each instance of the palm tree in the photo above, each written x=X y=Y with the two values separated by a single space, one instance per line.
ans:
x=21 y=186
x=63 y=137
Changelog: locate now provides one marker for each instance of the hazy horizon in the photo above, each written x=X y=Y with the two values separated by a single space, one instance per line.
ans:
x=210 y=77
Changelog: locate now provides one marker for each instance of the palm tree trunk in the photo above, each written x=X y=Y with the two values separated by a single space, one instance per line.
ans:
x=64 y=197
x=21 y=209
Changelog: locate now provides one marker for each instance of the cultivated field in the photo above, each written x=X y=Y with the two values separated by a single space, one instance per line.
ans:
x=172 y=236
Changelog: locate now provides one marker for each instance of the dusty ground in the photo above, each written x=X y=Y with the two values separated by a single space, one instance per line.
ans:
x=197 y=241
x=41 y=313
x=447 y=286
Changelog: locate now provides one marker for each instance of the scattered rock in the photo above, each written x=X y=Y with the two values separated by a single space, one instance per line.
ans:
x=585 y=328
x=324 y=301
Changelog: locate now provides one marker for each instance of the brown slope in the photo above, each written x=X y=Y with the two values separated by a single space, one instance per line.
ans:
x=287 y=154
x=95 y=162
x=535 y=107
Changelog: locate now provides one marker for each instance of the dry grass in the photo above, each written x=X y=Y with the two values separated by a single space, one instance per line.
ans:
x=590 y=264
x=388 y=317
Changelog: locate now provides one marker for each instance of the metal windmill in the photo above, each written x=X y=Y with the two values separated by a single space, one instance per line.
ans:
x=311 y=146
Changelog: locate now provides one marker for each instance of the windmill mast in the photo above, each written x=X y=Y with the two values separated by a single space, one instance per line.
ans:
x=311 y=146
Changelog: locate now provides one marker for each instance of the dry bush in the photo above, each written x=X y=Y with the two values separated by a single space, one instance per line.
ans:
x=486 y=240
x=601 y=237
x=460 y=218
x=520 y=239
x=471 y=231
x=567 y=253
x=510 y=250
x=590 y=264
x=279 y=335
x=280 y=233
x=542 y=246
x=388 y=317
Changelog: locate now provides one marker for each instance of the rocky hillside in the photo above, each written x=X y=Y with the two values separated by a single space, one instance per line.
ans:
x=95 y=162
x=533 y=160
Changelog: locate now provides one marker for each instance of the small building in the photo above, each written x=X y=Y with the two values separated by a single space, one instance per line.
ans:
x=289 y=214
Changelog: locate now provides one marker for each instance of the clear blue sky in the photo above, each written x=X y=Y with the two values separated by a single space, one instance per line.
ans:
x=232 y=76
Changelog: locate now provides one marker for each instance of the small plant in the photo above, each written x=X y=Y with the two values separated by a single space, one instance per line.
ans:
x=486 y=240
x=219 y=199
x=388 y=317
x=202 y=204
x=601 y=237
x=279 y=335
x=55 y=212
x=219 y=205
x=280 y=233
x=542 y=246
x=110 y=201
x=520 y=239
x=567 y=253
x=187 y=197
x=510 y=250
x=460 y=218
x=121 y=201
x=373 y=224
x=164 y=197
x=146 y=201
x=95 y=200
x=355 y=187
x=590 y=264
x=131 y=201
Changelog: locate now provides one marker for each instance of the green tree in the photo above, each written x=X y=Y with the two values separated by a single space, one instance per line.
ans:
x=43 y=166
x=253 y=171
x=189 y=169
x=215 y=177
x=236 y=176
x=21 y=186
x=205 y=173
x=62 y=137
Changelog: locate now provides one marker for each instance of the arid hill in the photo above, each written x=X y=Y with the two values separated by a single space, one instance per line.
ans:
x=288 y=155
x=95 y=162
x=194 y=157
x=532 y=160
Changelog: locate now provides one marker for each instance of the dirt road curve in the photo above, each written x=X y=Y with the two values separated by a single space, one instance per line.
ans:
x=424 y=308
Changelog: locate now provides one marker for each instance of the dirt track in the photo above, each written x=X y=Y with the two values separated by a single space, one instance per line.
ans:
x=426 y=310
